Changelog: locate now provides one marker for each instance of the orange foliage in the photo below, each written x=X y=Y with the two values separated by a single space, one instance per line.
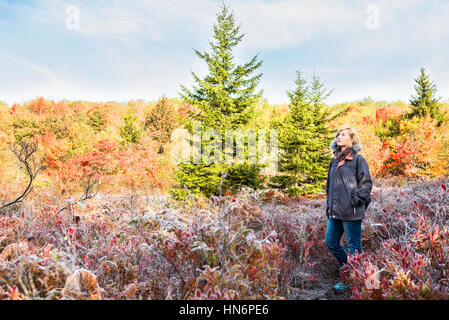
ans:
x=366 y=120
x=101 y=162
x=388 y=113
x=415 y=154
x=54 y=150
x=41 y=106
x=182 y=111
x=59 y=108
x=140 y=166
x=136 y=165
x=373 y=149
x=13 y=108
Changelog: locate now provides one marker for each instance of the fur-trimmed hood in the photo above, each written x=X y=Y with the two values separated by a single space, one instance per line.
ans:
x=355 y=146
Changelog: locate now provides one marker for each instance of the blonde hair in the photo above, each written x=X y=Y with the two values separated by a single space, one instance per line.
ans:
x=356 y=144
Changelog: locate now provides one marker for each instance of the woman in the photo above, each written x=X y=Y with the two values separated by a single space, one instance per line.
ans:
x=348 y=187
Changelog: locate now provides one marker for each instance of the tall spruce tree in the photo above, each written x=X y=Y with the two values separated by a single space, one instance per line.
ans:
x=225 y=99
x=425 y=101
x=304 y=138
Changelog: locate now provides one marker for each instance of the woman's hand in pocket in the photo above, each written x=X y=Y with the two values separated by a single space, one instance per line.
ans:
x=356 y=201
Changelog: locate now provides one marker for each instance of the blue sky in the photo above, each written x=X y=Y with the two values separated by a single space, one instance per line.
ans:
x=142 y=49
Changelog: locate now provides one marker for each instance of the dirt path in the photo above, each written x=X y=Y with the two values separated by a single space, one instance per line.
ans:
x=303 y=288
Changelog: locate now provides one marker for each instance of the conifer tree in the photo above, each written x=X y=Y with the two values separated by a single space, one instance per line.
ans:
x=225 y=99
x=425 y=100
x=304 y=138
x=96 y=120
x=130 y=132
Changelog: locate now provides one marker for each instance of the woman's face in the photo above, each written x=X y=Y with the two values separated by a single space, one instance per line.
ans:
x=344 y=139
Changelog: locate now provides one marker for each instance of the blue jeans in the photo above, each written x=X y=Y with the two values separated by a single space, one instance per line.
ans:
x=353 y=232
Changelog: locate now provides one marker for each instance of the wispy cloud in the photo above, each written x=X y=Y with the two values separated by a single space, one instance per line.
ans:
x=287 y=23
x=47 y=73
x=118 y=20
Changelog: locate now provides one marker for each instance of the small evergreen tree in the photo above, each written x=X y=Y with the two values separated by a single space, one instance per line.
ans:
x=130 y=132
x=225 y=99
x=425 y=101
x=96 y=120
x=304 y=138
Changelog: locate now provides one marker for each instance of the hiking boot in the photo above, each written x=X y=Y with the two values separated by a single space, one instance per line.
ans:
x=340 y=287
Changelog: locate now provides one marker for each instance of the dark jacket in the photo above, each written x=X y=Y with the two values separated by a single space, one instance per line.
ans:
x=348 y=186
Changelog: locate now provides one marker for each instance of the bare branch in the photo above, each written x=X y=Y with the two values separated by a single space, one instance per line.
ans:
x=90 y=186
x=24 y=152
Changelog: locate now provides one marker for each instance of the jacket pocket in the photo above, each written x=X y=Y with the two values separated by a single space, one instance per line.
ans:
x=349 y=194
